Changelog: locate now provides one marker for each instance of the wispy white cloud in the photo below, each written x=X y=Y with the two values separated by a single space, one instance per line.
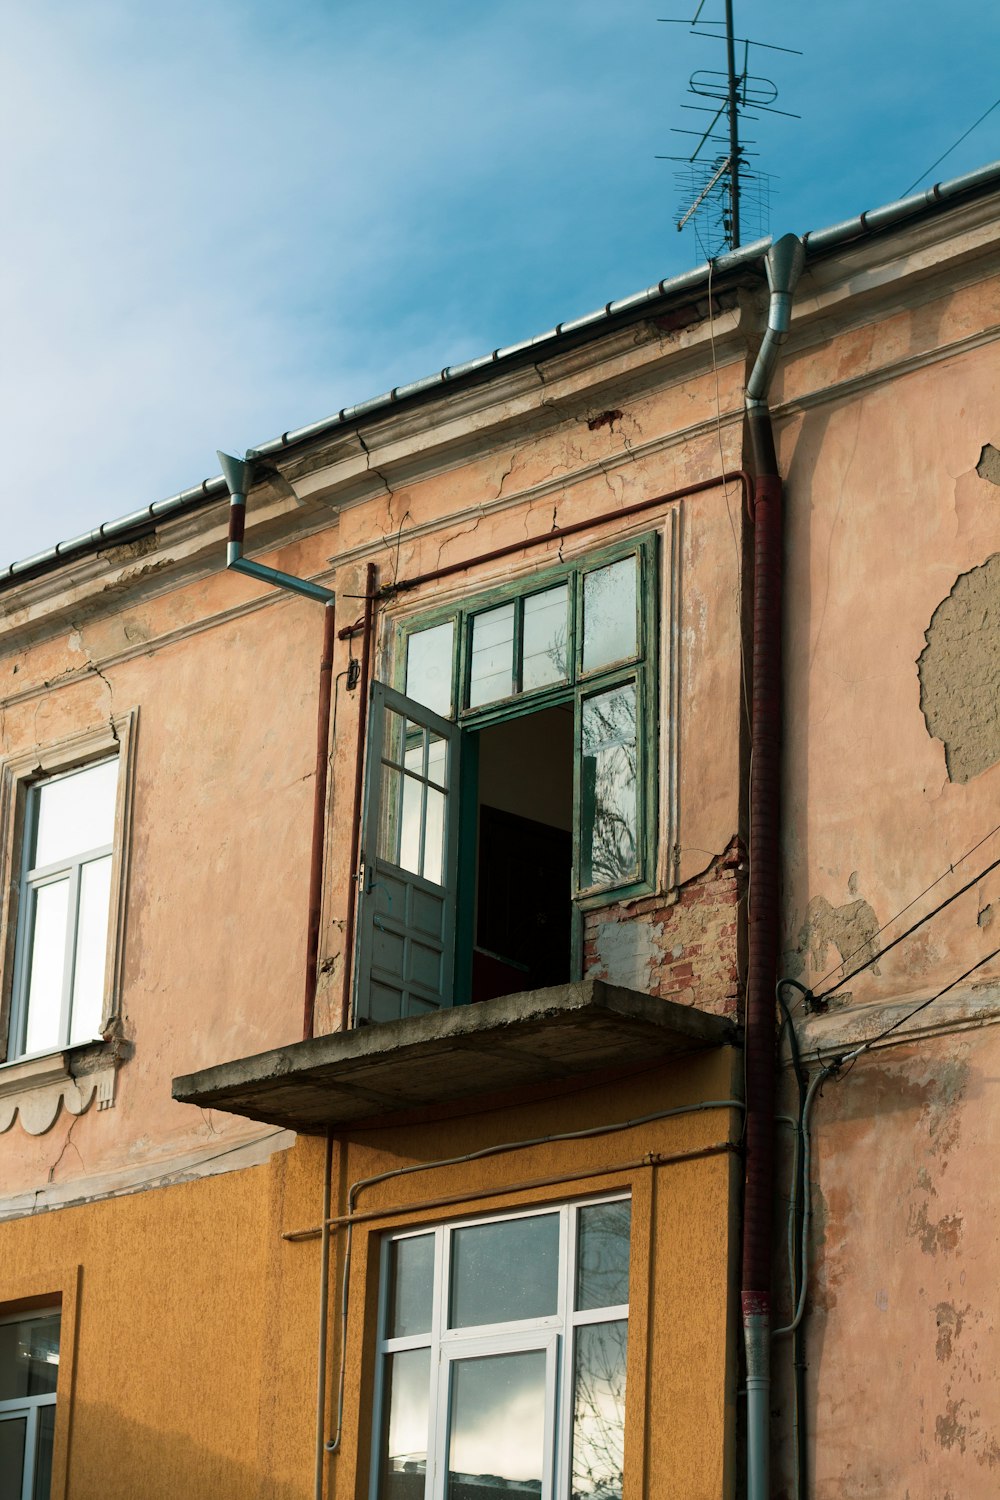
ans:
x=227 y=218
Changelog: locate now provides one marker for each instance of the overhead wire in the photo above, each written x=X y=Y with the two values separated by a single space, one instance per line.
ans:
x=951 y=148
x=902 y=911
x=874 y=958
x=902 y=1020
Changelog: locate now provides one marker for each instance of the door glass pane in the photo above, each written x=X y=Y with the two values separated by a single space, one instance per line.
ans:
x=12 y=1435
x=411 y=1285
x=437 y=758
x=609 y=618
x=599 y=1409
x=48 y=951
x=428 y=667
x=609 y=848
x=602 y=1255
x=76 y=813
x=544 y=642
x=413 y=757
x=43 y=1453
x=29 y=1357
x=91 y=950
x=409 y=840
x=497 y=1426
x=403 y=1465
x=492 y=674
x=434 y=837
x=502 y=1272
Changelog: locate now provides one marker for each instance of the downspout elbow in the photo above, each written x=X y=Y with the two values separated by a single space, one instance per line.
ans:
x=239 y=474
x=783 y=263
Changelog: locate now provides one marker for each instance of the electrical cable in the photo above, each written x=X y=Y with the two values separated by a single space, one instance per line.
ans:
x=874 y=1041
x=903 y=909
x=908 y=933
x=950 y=149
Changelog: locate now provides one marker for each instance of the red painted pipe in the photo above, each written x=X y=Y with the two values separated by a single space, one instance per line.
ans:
x=556 y=533
x=765 y=885
x=319 y=819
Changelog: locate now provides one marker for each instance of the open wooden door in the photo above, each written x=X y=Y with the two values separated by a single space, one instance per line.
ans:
x=408 y=877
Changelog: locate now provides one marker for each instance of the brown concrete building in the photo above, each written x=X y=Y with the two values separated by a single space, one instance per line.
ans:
x=392 y=919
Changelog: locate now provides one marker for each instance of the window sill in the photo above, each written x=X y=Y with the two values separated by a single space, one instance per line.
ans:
x=34 y=1089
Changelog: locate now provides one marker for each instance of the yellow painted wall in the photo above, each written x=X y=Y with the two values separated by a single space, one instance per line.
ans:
x=190 y=1357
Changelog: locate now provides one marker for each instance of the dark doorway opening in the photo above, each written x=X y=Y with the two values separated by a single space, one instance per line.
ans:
x=524 y=854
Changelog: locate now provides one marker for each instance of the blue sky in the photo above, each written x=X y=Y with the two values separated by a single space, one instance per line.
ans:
x=231 y=217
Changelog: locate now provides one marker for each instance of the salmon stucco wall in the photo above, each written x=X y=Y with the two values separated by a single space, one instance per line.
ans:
x=892 y=785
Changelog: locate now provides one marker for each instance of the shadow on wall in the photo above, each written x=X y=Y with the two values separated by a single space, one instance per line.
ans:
x=112 y=1458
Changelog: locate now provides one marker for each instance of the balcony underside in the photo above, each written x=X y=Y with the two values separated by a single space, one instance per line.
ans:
x=498 y=1046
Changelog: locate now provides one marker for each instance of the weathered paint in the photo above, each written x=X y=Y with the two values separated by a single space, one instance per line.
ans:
x=193 y=1368
x=885 y=404
x=886 y=427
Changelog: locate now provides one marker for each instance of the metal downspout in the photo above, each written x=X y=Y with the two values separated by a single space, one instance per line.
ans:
x=784 y=262
x=238 y=474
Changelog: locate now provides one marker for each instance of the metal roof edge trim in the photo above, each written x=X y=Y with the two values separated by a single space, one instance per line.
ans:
x=816 y=241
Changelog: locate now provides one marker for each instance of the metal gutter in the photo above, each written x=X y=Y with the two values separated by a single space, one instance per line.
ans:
x=816 y=242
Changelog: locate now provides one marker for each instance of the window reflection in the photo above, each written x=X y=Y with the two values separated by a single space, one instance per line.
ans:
x=428 y=667
x=599 y=1409
x=492 y=673
x=609 y=614
x=609 y=790
x=497 y=1426
x=544 y=658
x=504 y=1272
x=404 y=1429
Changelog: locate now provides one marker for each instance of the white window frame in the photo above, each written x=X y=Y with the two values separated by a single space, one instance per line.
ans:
x=555 y=1334
x=18 y=776
x=32 y=881
x=29 y=1406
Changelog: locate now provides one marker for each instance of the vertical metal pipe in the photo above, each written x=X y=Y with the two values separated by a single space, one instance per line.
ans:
x=324 y=1320
x=319 y=818
x=784 y=265
x=765 y=828
x=359 y=767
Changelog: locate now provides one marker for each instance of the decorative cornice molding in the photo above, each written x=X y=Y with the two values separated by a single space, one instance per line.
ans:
x=34 y=1090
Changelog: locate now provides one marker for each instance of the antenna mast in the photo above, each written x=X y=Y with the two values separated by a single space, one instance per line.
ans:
x=718 y=186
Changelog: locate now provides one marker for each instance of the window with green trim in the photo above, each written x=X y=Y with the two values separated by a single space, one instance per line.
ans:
x=584 y=634
x=539 y=702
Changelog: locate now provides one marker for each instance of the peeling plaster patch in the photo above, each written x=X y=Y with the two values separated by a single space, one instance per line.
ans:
x=949 y=1325
x=943 y=1235
x=626 y=952
x=988 y=466
x=608 y=419
x=127 y=552
x=852 y=929
x=985 y=916
x=959 y=671
x=948 y=1429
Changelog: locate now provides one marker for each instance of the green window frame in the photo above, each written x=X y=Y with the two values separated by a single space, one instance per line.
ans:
x=491 y=642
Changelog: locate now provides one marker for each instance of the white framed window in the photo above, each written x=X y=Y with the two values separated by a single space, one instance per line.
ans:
x=29 y=1369
x=502 y=1357
x=64 y=820
x=68 y=846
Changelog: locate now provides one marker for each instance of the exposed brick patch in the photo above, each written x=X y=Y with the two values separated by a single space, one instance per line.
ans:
x=682 y=946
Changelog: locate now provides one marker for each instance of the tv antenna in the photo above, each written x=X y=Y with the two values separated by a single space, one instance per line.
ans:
x=721 y=191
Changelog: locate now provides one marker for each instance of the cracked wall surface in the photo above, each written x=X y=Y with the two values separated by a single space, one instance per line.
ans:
x=959 y=670
x=683 y=949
